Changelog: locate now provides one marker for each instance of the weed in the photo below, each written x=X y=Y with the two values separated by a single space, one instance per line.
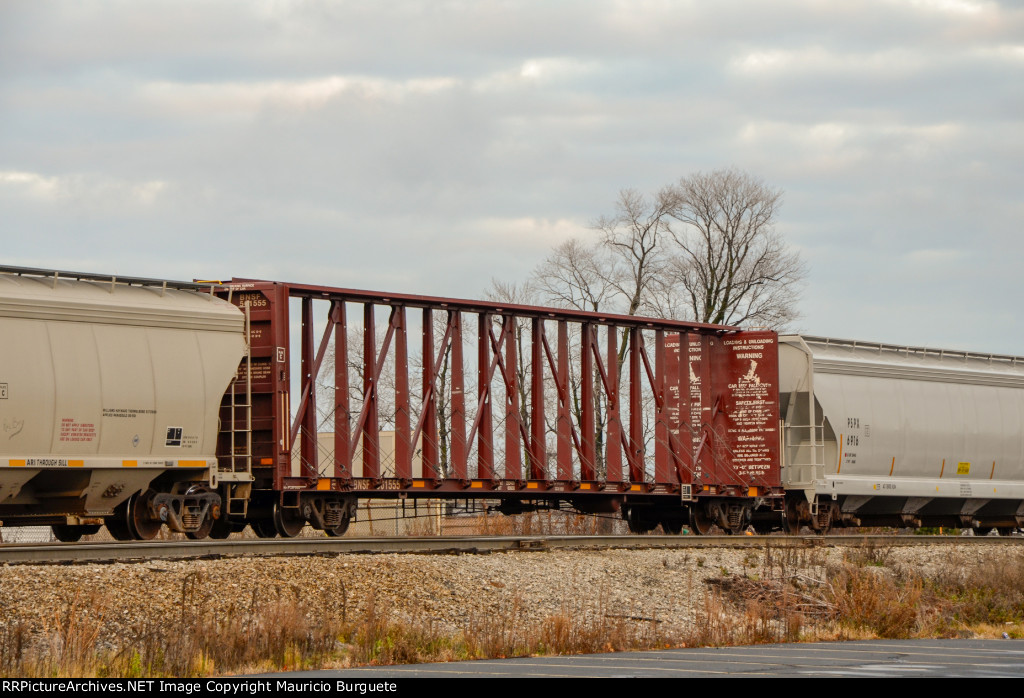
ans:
x=872 y=600
x=793 y=595
x=871 y=554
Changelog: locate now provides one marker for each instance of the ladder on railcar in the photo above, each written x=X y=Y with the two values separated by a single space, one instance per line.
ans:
x=238 y=461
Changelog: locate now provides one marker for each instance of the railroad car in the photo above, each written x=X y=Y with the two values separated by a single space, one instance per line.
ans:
x=901 y=436
x=109 y=394
x=139 y=403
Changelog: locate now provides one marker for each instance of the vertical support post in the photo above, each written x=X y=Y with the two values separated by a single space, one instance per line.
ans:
x=277 y=337
x=677 y=396
x=662 y=472
x=308 y=459
x=513 y=444
x=458 y=427
x=485 y=435
x=635 y=451
x=538 y=448
x=563 y=428
x=371 y=430
x=588 y=464
x=342 y=421
x=403 y=449
x=429 y=451
x=613 y=454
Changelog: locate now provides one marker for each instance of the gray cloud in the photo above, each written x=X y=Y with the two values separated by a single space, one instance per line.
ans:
x=427 y=147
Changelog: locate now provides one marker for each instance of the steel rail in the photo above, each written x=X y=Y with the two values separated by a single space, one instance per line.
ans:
x=64 y=553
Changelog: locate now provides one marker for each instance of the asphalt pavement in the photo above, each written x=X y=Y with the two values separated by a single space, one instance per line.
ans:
x=874 y=658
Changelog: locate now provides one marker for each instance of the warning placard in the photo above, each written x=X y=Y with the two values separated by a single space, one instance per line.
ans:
x=747 y=373
x=74 y=431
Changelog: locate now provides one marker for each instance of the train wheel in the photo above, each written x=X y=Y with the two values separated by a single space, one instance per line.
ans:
x=213 y=515
x=140 y=522
x=791 y=526
x=700 y=522
x=117 y=525
x=203 y=531
x=287 y=523
x=738 y=519
x=637 y=523
x=118 y=528
x=791 y=519
x=672 y=527
x=1005 y=530
x=67 y=534
x=823 y=521
x=221 y=528
x=264 y=528
x=338 y=530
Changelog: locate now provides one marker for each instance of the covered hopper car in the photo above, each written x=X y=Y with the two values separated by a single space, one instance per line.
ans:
x=901 y=436
x=109 y=394
x=138 y=403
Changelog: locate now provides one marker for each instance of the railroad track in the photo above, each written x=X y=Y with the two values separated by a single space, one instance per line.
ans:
x=65 y=553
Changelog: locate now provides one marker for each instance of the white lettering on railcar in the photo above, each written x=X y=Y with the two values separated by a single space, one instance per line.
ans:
x=253 y=300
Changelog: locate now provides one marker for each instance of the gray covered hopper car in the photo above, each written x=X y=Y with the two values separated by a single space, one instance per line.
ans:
x=109 y=391
x=901 y=436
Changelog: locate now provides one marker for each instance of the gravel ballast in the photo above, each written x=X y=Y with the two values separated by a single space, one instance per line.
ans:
x=446 y=591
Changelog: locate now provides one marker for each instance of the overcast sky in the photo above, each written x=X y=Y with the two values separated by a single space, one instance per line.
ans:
x=429 y=146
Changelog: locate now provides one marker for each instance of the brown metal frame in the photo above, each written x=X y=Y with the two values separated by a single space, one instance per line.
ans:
x=686 y=450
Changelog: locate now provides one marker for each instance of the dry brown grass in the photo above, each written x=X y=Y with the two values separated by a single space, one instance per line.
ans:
x=781 y=596
x=283 y=634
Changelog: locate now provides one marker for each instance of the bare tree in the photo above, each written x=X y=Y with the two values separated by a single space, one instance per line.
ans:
x=575 y=275
x=703 y=249
x=616 y=271
x=633 y=240
x=729 y=265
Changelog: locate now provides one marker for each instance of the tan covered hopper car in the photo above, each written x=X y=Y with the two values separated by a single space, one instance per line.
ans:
x=109 y=390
